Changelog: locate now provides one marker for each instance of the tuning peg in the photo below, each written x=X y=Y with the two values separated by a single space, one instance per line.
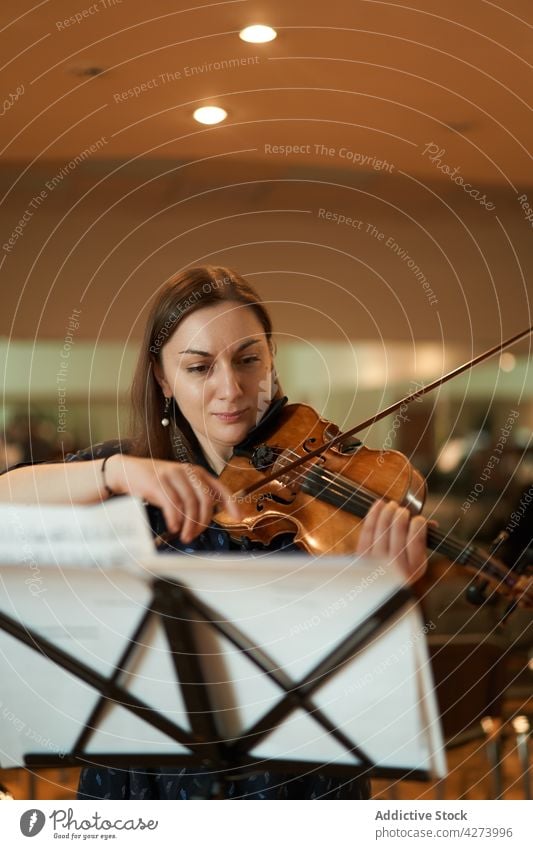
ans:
x=476 y=591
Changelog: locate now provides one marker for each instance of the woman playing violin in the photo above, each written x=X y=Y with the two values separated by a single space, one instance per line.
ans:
x=205 y=381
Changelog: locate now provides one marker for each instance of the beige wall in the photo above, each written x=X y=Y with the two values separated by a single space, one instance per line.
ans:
x=105 y=248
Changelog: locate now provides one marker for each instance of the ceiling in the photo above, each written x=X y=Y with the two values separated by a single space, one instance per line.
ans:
x=378 y=79
x=358 y=89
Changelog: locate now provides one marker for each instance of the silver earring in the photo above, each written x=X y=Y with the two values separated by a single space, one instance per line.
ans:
x=165 y=421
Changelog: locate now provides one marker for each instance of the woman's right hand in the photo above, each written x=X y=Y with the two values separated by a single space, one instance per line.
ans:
x=185 y=493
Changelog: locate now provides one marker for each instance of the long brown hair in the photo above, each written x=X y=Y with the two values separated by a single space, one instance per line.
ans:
x=185 y=293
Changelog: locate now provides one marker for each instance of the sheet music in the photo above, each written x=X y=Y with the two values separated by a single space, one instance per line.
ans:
x=114 y=532
x=91 y=615
x=296 y=608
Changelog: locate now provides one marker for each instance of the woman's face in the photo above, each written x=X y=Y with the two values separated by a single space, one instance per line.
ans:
x=218 y=366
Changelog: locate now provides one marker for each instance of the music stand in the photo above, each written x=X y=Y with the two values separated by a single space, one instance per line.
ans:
x=198 y=637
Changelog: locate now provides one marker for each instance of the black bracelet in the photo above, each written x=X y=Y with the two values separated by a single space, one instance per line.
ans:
x=106 y=487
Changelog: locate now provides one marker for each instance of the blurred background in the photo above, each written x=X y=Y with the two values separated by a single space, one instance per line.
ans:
x=372 y=177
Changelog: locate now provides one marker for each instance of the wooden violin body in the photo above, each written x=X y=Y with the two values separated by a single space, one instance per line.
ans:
x=301 y=503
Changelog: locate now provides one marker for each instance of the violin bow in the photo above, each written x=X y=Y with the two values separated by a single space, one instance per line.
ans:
x=316 y=452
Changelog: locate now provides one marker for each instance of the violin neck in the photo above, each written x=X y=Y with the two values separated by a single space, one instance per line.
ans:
x=340 y=492
x=455 y=549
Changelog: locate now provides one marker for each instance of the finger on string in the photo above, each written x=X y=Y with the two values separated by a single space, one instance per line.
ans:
x=398 y=533
x=366 y=535
x=382 y=533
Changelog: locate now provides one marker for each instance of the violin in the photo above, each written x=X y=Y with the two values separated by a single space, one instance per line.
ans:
x=306 y=478
x=303 y=479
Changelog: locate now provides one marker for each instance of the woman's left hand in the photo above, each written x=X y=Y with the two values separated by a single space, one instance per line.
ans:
x=391 y=533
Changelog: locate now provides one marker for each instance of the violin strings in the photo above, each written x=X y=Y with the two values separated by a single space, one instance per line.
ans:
x=451 y=547
x=341 y=492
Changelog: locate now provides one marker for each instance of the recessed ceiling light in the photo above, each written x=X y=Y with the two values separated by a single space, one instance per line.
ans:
x=209 y=114
x=258 y=34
